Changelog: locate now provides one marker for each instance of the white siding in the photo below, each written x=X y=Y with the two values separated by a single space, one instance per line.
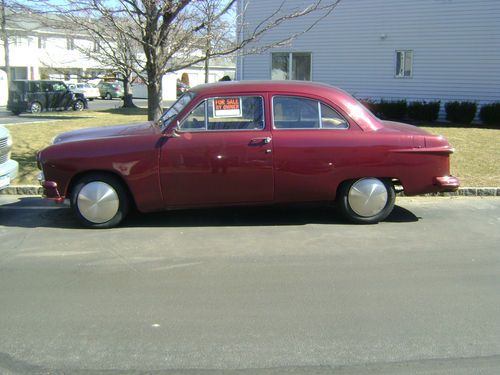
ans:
x=455 y=43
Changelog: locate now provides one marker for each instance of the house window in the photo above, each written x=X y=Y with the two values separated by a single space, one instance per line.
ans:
x=17 y=41
x=291 y=65
x=42 y=42
x=70 y=44
x=404 y=63
x=97 y=47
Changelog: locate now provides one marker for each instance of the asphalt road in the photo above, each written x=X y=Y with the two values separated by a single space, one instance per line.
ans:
x=252 y=291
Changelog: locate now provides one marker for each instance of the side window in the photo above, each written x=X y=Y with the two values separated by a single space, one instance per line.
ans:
x=295 y=113
x=59 y=86
x=331 y=119
x=227 y=113
x=302 y=113
x=196 y=119
x=34 y=86
x=47 y=87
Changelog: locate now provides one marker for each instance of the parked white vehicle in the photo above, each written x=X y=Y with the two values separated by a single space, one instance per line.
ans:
x=90 y=91
x=8 y=167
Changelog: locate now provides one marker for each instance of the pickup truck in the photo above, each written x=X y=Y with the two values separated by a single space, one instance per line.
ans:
x=8 y=167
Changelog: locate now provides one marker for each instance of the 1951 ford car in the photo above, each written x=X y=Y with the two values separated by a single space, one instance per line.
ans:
x=247 y=143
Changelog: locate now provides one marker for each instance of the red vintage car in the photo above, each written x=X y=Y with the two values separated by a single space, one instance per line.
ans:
x=247 y=143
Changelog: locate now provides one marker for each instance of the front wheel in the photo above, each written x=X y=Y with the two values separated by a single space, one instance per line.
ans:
x=79 y=105
x=100 y=201
x=367 y=200
x=108 y=96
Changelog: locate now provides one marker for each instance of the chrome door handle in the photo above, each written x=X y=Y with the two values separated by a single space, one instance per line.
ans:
x=263 y=140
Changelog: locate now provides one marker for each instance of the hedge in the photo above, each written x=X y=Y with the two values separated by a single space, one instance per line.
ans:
x=460 y=112
x=490 y=114
x=391 y=110
x=424 y=111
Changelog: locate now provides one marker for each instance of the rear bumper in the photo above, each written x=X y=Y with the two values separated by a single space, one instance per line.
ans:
x=447 y=183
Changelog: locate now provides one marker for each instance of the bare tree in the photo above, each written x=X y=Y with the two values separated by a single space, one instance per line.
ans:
x=110 y=49
x=169 y=32
x=220 y=33
x=5 y=39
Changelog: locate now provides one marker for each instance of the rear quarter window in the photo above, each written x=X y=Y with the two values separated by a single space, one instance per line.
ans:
x=304 y=113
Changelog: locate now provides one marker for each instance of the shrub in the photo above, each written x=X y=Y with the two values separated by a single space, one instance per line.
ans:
x=460 y=112
x=424 y=111
x=490 y=114
x=391 y=110
x=370 y=104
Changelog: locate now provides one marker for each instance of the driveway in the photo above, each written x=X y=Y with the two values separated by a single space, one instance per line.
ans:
x=290 y=290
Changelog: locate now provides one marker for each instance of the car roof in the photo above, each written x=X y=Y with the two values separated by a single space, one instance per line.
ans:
x=345 y=101
x=265 y=86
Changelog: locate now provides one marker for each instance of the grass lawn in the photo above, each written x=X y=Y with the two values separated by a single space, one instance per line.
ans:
x=476 y=160
x=32 y=137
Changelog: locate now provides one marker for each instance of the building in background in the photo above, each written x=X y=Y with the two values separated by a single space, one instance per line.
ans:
x=386 y=49
x=41 y=52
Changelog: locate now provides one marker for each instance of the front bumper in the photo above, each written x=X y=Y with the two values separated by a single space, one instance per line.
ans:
x=447 y=183
x=50 y=190
x=8 y=171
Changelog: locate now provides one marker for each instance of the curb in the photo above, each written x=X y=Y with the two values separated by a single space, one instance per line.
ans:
x=462 y=192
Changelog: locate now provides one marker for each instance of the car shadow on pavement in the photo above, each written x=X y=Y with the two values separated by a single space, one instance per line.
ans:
x=34 y=212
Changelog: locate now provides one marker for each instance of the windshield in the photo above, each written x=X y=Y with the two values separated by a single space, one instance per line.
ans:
x=175 y=109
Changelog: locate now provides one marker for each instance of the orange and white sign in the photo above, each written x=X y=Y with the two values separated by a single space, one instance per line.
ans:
x=227 y=107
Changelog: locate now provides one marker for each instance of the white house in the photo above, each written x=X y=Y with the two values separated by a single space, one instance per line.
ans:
x=41 y=52
x=391 y=49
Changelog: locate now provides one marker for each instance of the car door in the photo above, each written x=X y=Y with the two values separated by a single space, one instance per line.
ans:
x=221 y=154
x=62 y=96
x=312 y=143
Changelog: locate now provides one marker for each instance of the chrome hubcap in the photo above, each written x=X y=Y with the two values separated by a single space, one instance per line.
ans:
x=98 y=202
x=367 y=197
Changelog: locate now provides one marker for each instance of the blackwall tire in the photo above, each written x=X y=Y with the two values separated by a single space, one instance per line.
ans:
x=79 y=105
x=100 y=201
x=366 y=200
x=36 y=107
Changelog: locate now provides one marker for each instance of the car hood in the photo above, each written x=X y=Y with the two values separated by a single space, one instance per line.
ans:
x=399 y=127
x=107 y=132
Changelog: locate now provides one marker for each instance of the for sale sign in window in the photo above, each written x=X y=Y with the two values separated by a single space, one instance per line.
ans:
x=227 y=107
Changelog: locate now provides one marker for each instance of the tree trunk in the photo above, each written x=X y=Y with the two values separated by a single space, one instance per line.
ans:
x=5 y=38
x=127 y=96
x=207 y=65
x=155 y=109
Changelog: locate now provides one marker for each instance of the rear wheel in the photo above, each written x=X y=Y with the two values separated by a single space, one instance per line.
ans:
x=36 y=107
x=108 y=96
x=100 y=201
x=367 y=200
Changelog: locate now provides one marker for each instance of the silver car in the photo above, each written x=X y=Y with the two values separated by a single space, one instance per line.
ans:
x=90 y=91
